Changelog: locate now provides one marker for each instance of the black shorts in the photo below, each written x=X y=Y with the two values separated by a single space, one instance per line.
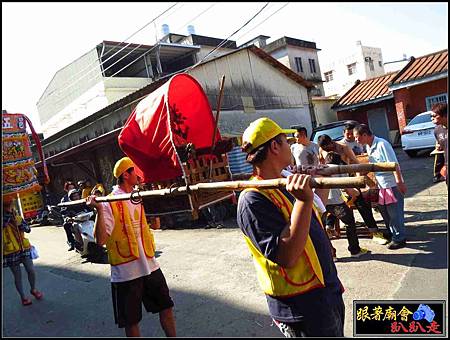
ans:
x=128 y=297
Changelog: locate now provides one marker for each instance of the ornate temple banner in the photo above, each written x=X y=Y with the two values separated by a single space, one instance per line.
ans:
x=19 y=172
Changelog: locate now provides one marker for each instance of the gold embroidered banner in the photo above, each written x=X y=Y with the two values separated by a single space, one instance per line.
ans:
x=19 y=172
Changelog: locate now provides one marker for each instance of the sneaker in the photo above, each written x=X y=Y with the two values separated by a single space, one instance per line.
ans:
x=362 y=251
x=332 y=233
x=72 y=247
x=438 y=178
x=379 y=238
x=210 y=225
x=396 y=245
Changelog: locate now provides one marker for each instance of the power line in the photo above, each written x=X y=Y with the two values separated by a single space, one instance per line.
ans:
x=243 y=35
x=102 y=62
x=223 y=42
x=151 y=49
x=190 y=21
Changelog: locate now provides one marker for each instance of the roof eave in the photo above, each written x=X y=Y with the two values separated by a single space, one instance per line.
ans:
x=420 y=81
x=364 y=103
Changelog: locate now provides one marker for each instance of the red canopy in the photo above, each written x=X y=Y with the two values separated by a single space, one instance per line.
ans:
x=174 y=115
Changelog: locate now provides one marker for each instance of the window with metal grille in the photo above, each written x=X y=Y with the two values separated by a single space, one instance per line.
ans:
x=430 y=101
x=351 y=69
x=298 y=64
x=328 y=76
x=312 y=65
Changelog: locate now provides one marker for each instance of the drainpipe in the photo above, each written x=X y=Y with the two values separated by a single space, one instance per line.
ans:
x=311 y=108
x=158 y=62
x=101 y=58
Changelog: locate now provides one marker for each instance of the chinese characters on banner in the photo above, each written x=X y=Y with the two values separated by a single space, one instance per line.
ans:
x=19 y=172
x=394 y=317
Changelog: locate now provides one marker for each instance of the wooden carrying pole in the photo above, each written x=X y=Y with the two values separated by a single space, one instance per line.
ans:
x=339 y=169
x=316 y=182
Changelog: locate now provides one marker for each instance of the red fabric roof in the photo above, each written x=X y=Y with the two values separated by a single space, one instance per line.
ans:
x=176 y=114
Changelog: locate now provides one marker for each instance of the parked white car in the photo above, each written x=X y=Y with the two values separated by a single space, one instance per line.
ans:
x=418 y=134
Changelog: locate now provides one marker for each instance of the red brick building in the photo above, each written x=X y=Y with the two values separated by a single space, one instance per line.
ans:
x=419 y=85
x=372 y=103
x=388 y=102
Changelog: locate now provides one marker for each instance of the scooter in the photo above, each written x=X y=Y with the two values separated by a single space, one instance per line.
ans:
x=83 y=226
x=50 y=215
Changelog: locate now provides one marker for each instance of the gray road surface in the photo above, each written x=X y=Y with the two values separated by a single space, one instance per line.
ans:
x=213 y=282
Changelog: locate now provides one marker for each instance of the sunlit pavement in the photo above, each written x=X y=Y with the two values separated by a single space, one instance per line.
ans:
x=213 y=282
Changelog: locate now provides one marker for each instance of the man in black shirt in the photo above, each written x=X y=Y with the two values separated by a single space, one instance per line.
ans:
x=291 y=250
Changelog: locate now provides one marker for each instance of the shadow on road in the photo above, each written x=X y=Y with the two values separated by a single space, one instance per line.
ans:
x=417 y=171
x=79 y=304
x=415 y=216
x=428 y=238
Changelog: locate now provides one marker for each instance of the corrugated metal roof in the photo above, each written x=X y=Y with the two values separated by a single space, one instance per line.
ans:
x=422 y=67
x=367 y=90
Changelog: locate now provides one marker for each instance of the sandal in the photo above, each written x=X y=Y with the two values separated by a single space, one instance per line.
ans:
x=37 y=294
x=26 y=302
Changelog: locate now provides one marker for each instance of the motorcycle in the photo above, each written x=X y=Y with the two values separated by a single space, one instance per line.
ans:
x=50 y=215
x=83 y=228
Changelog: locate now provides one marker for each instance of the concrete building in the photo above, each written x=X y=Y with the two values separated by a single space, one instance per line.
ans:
x=256 y=85
x=101 y=76
x=396 y=65
x=322 y=109
x=363 y=63
x=371 y=102
x=298 y=55
x=420 y=84
x=386 y=103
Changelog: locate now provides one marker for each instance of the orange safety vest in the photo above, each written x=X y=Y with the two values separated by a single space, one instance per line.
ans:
x=276 y=280
x=122 y=244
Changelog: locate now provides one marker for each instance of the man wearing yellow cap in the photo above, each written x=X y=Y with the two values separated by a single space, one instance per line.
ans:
x=135 y=275
x=291 y=250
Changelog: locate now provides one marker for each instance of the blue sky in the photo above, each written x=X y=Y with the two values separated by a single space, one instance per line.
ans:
x=38 y=39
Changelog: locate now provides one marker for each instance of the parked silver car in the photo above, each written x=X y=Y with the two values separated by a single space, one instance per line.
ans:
x=418 y=134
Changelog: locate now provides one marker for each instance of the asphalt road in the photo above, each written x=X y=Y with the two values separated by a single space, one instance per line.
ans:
x=213 y=282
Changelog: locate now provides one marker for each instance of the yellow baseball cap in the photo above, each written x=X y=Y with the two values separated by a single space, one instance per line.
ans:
x=261 y=131
x=122 y=165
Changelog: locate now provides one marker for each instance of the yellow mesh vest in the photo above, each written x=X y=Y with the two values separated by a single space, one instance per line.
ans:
x=276 y=280
x=14 y=240
x=122 y=244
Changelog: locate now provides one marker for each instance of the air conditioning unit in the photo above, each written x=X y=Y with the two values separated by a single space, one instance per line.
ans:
x=367 y=59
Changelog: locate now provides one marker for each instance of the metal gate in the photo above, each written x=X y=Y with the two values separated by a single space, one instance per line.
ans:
x=378 y=123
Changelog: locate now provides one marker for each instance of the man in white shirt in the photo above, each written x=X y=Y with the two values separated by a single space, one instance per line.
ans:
x=349 y=140
x=135 y=275
x=304 y=151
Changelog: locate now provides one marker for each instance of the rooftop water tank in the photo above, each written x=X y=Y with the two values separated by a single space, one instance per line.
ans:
x=190 y=29
x=165 y=29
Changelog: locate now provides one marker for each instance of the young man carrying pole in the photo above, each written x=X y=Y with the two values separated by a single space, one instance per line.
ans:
x=291 y=251
x=135 y=275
